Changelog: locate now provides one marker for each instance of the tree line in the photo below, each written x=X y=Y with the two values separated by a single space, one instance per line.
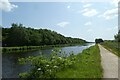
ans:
x=116 y=38
x=19 y=35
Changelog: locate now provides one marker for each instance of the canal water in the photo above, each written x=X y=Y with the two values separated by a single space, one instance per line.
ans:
x=11 y=68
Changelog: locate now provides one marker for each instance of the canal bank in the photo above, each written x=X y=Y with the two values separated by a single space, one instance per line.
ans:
x=33 y=48
x=10 y=65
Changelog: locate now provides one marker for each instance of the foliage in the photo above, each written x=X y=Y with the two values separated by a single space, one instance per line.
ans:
x=31 y=48
x=43 y=67
x=112 y=46
x=87 y=65
x=117 y=37
x=19 y=35
x=84 y=65
x=98 y=40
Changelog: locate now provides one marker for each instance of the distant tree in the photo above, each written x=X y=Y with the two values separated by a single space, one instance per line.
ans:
x=98 y=40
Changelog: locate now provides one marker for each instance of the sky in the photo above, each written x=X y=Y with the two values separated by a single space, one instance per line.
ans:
x=85 y=20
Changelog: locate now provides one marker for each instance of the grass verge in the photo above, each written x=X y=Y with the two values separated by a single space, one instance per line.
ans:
x=87 y=65
x=114 y=47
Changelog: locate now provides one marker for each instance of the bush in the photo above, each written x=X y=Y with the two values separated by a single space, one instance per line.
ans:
x=43 y=67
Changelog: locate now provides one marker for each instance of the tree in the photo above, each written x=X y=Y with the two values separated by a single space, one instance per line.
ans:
x=117 y=37
x=98 y=40
x=19 y=35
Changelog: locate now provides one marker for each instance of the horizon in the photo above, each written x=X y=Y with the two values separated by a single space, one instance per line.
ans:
x=86 y=21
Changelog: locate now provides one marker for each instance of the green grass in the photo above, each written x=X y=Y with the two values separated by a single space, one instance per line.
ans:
x=87 y=65
x=112 y=46
x=19 y=49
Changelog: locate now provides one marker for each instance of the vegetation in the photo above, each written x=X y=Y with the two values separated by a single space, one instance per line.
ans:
x=30 y=48
x=112 y=46
x=87 y=65
x=98 y=41
x=0 y=35
x=21 y=49
x=84 y=65
x=18 y=35
x=44 y=67
x=117 y=36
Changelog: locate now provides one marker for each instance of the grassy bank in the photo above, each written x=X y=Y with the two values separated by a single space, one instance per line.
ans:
x=87 y=65
x=84 y=65
x=112 y=46
x=30 y=48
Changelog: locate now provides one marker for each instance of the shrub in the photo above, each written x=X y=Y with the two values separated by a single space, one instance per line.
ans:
x=43 y=67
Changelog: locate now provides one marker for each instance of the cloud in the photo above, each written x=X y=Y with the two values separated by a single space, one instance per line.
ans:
x=114 y=2
x=89 y=12
x=110 y=14
x=5 y=5
x=68 y=6
x=87 y=5
x=63 y=24
x=88 y=23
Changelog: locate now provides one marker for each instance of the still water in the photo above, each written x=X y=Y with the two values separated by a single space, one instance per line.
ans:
x=11 y=68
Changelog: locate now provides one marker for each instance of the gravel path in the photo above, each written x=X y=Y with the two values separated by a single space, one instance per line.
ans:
x=109 y=63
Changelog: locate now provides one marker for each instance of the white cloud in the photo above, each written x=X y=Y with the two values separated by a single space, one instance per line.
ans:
x=88 y=23
x=89 y=12
x=63 y=24
x=115 y=2
x=110 y=14
x=5 y=5
x=87 y=5
x=68 y=6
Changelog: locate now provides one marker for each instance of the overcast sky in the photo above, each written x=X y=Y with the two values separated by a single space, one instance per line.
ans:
x=86 y=20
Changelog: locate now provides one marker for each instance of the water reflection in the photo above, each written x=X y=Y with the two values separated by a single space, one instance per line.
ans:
x=10 y=65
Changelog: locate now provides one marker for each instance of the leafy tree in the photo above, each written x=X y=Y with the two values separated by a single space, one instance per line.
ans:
x=18 y=35
x=98 y=40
